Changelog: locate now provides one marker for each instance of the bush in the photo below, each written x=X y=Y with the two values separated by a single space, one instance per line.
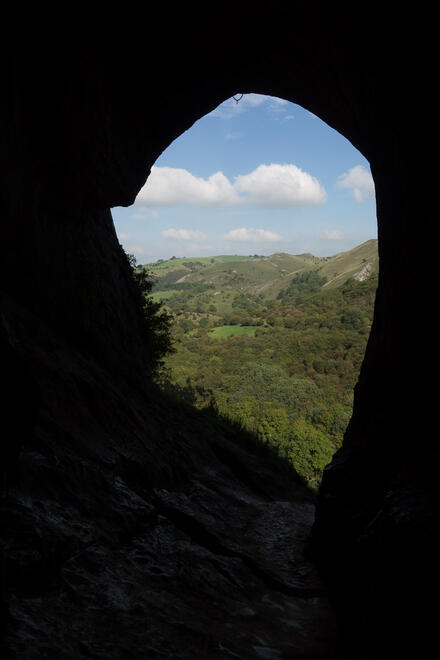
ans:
x=309 y=450
x=155 y=321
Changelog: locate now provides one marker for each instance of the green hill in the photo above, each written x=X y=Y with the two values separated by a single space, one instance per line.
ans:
x=273 y=343
x=360 y=263
x=263 y=276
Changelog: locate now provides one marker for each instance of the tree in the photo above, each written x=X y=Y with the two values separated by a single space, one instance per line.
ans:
x=155 y=321
x=268 y=382
x=187 y=325
x=308 y=449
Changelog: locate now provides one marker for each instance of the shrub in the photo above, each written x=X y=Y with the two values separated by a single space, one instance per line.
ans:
x=155 y=321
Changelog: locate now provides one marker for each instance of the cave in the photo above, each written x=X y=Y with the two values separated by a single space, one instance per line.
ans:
x=108 y=493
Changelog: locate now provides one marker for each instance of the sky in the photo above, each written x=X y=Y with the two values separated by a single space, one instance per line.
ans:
x=257 y=175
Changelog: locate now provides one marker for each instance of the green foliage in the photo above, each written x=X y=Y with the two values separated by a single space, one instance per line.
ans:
x=303 y=283
x=292 y=343
x=187 y=325
x=225 y=331
x=270 y=384
x=155 y=320
x=308 y=449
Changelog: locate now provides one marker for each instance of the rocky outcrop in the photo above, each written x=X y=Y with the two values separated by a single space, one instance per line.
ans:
x=139 y=529
x=364 y=273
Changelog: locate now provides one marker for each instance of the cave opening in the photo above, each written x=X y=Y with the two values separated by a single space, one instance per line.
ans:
x=257 y=226
x=132 y=527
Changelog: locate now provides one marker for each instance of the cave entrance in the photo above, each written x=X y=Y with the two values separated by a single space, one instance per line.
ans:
x=259 y=226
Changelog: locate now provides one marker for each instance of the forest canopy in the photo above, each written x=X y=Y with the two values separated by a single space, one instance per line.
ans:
x=276 y=351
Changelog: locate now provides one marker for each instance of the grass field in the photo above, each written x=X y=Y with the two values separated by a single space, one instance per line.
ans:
x=225 y=331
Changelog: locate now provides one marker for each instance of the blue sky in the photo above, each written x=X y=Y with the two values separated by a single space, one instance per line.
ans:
x=257 y=176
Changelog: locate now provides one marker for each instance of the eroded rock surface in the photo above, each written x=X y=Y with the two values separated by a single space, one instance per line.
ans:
x=108 y=556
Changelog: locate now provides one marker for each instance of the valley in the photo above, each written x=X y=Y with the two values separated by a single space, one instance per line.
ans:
x=272 y=343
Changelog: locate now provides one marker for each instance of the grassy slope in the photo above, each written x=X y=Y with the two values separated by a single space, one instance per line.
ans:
x=266 y=276
x=342 y=266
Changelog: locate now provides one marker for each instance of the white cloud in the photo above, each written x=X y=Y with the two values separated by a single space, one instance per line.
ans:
x=145 y=214
x=280 y=186
x=332 y=235
x=275 y=105
x=253 y=235
x=241 y=103
x=170 y=186
x=269 y=186
x=359 y=180
x=184 y=234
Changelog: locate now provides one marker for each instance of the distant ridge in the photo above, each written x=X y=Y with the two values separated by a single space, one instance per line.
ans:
x=265 y=275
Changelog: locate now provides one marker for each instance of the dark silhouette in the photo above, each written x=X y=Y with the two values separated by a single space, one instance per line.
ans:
x=130 y=533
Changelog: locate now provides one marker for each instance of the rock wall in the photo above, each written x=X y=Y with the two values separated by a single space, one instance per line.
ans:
x=87 y=108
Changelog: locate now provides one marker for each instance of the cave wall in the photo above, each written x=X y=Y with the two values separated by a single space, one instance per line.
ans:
x=86 y=112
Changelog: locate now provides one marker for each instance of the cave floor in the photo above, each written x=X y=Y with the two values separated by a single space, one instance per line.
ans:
x=210 y=571
x=140 y=530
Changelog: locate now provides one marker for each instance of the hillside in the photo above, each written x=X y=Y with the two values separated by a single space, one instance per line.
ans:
x=361 y=262
x=260 y=274
x=273 y=343
x=231 y=289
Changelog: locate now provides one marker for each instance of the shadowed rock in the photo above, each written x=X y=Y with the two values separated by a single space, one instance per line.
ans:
x=127 y=532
